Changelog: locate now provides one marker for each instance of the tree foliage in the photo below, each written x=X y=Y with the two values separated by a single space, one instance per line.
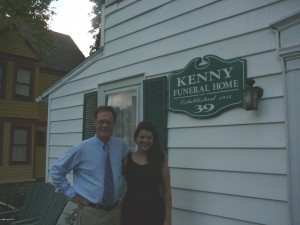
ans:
x=96 y=24
x=31 y=17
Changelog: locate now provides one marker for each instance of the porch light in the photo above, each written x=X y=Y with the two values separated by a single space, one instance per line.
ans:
x=251 y=95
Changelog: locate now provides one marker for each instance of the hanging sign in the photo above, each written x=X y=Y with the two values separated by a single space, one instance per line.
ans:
x=208 y=86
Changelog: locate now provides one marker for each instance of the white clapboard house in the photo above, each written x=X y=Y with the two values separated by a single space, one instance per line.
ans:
x=158 y=61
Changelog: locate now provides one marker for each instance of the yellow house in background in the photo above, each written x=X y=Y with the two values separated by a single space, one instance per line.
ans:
x=24 y=75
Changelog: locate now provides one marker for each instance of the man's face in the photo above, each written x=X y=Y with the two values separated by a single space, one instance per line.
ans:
x=104 y=125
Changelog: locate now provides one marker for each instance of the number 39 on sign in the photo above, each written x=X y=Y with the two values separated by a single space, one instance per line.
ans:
x=204 y=108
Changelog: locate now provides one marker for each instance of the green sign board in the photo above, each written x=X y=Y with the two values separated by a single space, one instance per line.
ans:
x=208 y=86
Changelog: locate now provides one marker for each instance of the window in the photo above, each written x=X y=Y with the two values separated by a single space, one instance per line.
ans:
x=1 y=143
x=23 y=83
x=125 y=96
x=124 y=103
x=2 y=85
x=20 y=144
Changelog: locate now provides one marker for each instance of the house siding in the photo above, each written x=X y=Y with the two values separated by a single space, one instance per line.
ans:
x=16 y=52
x=15 y=44
x=227 y=170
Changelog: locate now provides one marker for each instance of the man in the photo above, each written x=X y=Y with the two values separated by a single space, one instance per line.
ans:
x=90 y=168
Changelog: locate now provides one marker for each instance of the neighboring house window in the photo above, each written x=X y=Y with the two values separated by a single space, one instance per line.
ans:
x=2 y=85
x=20 y=150
x=40 y=138
x=1 y=143
x=23 y=86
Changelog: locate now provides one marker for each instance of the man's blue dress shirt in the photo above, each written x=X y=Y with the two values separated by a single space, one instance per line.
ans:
x=87 y=160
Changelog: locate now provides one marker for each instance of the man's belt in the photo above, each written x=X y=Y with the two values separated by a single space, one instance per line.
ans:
x=104 y=207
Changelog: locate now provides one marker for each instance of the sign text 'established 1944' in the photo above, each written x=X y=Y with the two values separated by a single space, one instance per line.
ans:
x=208 y=86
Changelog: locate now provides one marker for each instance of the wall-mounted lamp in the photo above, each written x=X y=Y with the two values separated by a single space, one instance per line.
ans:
x=251 y=95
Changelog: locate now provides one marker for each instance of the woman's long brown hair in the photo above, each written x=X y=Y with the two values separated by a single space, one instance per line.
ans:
x=155 y=154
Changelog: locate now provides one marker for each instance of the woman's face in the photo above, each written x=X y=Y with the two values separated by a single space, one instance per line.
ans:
x=144 y=140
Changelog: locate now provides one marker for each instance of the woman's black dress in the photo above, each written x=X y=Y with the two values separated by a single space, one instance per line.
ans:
x=143 y=202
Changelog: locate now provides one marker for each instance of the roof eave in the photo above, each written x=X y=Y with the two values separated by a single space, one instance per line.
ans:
x=45 y=95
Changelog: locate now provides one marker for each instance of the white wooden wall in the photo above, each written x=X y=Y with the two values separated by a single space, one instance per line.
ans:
x=226 y=170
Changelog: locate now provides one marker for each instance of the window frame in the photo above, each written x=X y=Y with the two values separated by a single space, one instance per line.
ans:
x=2 y=84
x=31 y=85
x=29 y=143
x=1 y=142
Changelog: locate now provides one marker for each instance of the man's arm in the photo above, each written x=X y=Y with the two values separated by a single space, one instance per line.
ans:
x=59 y=172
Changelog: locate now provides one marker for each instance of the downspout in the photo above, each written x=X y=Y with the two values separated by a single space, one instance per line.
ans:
x=283 y=66
x=48 y=139
x=288 y=53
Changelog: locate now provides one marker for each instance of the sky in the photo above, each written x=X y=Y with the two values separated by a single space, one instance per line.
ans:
x=72 y=18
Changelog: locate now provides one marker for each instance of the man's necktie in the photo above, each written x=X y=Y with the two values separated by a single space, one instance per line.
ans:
x=108 y=196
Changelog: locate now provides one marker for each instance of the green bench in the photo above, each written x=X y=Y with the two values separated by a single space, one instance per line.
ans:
x=42 y=206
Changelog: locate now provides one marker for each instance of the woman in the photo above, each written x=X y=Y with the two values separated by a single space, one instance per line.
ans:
x=148 y=198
